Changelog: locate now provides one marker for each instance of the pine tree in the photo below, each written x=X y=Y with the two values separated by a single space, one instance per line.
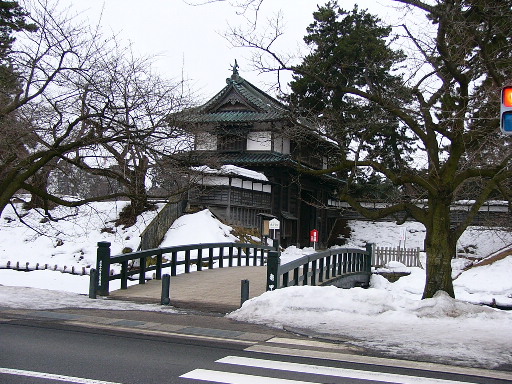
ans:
x=448 y=105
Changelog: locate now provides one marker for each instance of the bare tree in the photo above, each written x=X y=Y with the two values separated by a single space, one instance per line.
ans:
x=446 y=97
x=82 y=98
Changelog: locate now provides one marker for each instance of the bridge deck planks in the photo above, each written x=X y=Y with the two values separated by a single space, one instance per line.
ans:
x=213 y=290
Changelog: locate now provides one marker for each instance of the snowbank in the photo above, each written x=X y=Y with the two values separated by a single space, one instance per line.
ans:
x=388 y=321
x=388 y=317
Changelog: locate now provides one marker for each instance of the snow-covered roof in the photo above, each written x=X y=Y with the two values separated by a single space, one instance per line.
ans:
x=232 y=170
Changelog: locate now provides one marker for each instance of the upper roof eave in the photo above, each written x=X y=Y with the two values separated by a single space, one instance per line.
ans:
x=267 y=108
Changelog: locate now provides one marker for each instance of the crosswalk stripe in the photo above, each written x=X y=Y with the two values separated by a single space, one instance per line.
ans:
x=332 y=371
x=336 y=356
x=235 y=378
x=51 y=376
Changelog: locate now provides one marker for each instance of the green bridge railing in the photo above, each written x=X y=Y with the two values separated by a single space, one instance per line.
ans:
x=201 y=255
x=321 y=268
x=339 y=266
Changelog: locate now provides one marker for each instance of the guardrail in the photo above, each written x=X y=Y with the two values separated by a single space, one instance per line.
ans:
x=320 y=268
x=227 y=255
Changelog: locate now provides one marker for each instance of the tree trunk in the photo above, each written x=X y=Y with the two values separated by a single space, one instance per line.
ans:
x=137 y=194
x=440 y=246
x=40 y=182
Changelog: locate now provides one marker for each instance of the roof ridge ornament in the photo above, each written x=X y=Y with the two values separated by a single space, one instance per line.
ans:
x=235 y=75
x=235 y=69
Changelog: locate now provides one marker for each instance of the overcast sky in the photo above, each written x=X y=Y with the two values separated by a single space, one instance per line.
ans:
x=188 y=39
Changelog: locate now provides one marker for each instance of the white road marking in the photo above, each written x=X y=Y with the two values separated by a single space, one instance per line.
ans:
x=336 y=356
x=51 y=376
x=332 y=371
x=235 y=378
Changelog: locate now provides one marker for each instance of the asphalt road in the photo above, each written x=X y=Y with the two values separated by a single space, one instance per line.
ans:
x=54 y=353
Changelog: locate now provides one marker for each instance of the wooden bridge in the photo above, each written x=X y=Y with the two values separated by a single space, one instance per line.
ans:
x=209 y=280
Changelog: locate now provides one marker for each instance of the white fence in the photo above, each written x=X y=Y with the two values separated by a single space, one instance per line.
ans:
x=408 y=256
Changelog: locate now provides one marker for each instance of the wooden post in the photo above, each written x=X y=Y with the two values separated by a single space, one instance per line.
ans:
x=103 y=267
x=275 y=244
x=124 y=274
x=174 y=261
x=159 y=258
x=166 y=286
x=369 y=248
x=142 y=270
x=244 y=292
x=273 y=262
x=187 y=261
x=200 y=259
x=93 y=284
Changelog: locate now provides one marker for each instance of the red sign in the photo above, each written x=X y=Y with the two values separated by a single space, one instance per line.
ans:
x=313 y=236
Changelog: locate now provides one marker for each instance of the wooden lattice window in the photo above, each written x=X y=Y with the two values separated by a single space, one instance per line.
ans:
x=230 y=142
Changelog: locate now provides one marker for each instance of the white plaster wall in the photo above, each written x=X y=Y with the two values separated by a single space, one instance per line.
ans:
x=215 y=180
x=236 y=183
x=259 y=141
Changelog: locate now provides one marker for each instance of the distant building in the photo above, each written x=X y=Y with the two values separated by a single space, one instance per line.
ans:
x=245 y=128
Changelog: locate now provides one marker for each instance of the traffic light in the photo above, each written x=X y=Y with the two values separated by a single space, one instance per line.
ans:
x=506 y=110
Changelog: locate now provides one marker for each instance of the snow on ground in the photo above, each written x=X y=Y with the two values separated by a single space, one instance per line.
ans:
x=46 y=299
x=388 y=317
x=384 y=319
x=70 y=242
x=475 y=242
x=199 y=228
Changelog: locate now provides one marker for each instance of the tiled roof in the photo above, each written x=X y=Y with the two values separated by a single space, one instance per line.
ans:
x=256 y=159
x=259 y=105
x=260 y=158
x=233 y=116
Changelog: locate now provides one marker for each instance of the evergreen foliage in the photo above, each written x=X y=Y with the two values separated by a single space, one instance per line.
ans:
x=351 y=49
x=438 y=97
x=12 y=19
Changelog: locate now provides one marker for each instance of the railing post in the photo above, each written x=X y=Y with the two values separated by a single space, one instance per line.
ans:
x=174 y=261
x=273 y=262
x=187 y=261
x=200 y=259
x=286 y=278
x=370 y=249
x=221 y=257
x=159 y=258
x=314 y=271
x=210 y=258
x=244 y=291
x=142 y=270
x=124 y=274
x=103 y=267
x=305 y=273
x=296 y=277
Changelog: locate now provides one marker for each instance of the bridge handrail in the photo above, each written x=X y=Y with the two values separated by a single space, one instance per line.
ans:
x=180 y=248
x=318 y=267
x=105 y=260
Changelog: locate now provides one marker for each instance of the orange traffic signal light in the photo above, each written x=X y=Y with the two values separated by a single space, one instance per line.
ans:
x=507 y=97
x=506 y=110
